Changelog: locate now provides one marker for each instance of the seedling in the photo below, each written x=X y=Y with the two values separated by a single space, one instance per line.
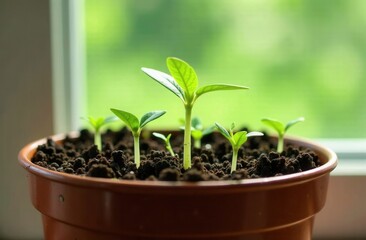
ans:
x=166 y=140
x=183 y=82
x=136 y=126
x=236 y=140
x=97 y=123
x=198 y=131
x=281 y=129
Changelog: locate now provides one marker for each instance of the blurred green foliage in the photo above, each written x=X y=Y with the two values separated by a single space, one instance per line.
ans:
x=299 y=58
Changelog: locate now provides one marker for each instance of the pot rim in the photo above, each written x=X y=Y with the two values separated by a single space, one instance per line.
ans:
x=267 y=182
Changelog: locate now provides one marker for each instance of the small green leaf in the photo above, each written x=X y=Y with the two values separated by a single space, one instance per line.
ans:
x=168 y=137
x=240 y=138
x=255 y=134
x=150 y=116
x=97 y=123
x=161 y=136
x=184 y=74
x=223 y=131
x=110 y=119
x=128 y=118
x=165 y=80
x=196 y=134
x=181 y=121
x=232 y=127
x=196 y=123
x=277 y=125
x=217 y=87
x=293 y=122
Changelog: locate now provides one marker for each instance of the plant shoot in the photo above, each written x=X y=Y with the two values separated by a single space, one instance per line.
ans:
x=236 y=140
x=183 y=82
x=198 y=132
x=281 y=129
x=136 y=125
x=166 y=140
x=97 y=123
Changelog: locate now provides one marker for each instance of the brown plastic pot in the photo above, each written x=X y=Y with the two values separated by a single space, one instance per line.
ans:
x=83 y=208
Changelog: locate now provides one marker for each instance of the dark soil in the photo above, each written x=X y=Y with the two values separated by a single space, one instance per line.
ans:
x=257 y=158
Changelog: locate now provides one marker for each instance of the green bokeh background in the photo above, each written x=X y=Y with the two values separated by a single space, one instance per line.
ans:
x=299 y=58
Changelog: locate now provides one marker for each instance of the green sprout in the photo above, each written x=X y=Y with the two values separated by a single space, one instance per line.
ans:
x=236 y=140
x=97 y=123
x=166 y=140
x=198 y=132
x=281 y=129
x=183 y=82
x=136 y=126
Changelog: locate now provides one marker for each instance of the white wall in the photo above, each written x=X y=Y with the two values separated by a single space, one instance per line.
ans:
x=25 y=107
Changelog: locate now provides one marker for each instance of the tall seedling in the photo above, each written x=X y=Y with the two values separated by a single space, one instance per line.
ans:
x=183 y=82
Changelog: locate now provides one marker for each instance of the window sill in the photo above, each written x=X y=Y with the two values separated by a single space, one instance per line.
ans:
x=351 y=156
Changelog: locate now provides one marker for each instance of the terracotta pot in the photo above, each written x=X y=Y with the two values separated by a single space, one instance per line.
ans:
x=82 y=208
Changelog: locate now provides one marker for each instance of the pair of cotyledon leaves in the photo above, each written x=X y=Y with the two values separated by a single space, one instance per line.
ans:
x=237 y=139
x=279 y=126
x=133 y=122
x=97 y=123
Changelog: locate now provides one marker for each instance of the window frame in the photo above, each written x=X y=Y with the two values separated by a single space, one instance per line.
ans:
x=68 y=64
x=351 y=155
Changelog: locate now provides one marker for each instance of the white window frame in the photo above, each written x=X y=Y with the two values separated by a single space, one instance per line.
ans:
x=351 y=154
x=68 y=63
x=69 y=101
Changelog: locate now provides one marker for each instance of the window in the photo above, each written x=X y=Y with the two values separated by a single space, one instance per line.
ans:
x=300 y=58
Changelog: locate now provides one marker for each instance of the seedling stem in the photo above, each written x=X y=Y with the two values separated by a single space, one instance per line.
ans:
x=187 y=138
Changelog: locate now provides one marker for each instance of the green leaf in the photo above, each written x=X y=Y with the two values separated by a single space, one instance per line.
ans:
x=223 y=131
x=128 y=118
x=277 y=125
x=240 y=138
x=293 y=122
x=97 y=123
x=161 y=136
x=232 y=127
x=196 y=123
x=217 y=87
x=110 y=119
x=150 y=116
x=165 y=80
x=196 y=134
x=255 y=134
x=185 y=76
x=168 y=137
